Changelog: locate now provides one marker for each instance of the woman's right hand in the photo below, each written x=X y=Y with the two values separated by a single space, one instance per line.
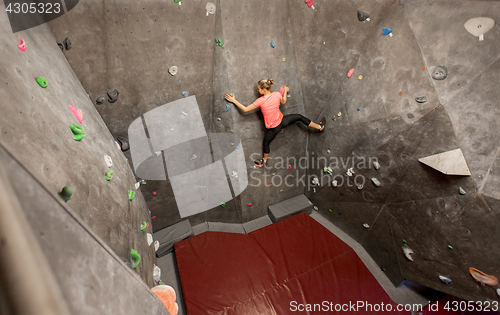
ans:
x=230 y=98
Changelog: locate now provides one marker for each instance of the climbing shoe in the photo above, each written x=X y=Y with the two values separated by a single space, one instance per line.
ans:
x=322 y=123
x=260 y=163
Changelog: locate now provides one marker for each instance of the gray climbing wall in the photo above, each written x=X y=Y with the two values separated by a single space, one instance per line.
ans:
x=131 y=44
x=35 y=135
x=381 y=120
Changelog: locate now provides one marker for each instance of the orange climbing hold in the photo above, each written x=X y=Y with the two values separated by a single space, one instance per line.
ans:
x=167 y=296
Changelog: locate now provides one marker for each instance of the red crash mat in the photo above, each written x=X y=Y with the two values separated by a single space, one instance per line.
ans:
x=293 y=266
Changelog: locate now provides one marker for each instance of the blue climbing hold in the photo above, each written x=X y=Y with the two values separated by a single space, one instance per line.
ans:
x=386 y=31
x=359 y=109
x=272 y=44
x=238 y=146
x=184 y=93
x=228 y=107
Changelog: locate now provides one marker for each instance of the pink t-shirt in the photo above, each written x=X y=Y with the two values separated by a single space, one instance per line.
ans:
x=270 y=107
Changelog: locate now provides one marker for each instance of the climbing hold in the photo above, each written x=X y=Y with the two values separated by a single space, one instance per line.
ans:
x=124 y=145
x=193 y=157
x=158 y=153
x=118 y=146
x=270 y=185
x=339 y=114
x=330 y=210
x=77 y=132
x=498 y=292
x=350 y=73
x=228 y=107
x=42 y=82
x=289 y=166
x=328 y=169
x=67 y=43
x=315 y=181
x=366 y=225
x=154 y=193
x=153 y=217
x=350 y=172
x=314 y=190
x=450 y=247
x=376 y=165
x=177 y=1
x=184 y=93
x=218 y=42
x=360 y=187
x=173 y=70
x=112 y=96
x=362 y=16
x=223 y=205
x=483 y=278
x=157 y=245
x=479 y=26
x=315 y=208
x=143 y=182
x=137 y=185
x=401 y=93
x=144 y=225
x=22 y=44
x=360 y=77
x=272 y=44
x=238 y=146
x=359 y=109
x=78 y=113
x=131 y=194
x=149 y=238
x=235 y=174
x=136 y=258
x=404 y=241
x=99 y=100
x=184 y=113
x=108 y=161
x=284 y=59
x=61 y=46
x=386 y=31
x=440 y=73
x=232 y=131
x=375 y=182
x=210 y=7
x=219 y=119
x=309 y=3
x=109 y=175
x=249 y=204
x=66 y=193
x=421 y=99
x=156 y=274
x=328 y=151
x=334 y=183
x=461 y=191
x=407 y=251
x=445 y=279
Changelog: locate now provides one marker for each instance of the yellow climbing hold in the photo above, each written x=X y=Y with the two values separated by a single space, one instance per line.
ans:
x=284 y=59
x=360 y=77
x=339 y=114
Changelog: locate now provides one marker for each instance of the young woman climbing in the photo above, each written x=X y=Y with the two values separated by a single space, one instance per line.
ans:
x=274 y=120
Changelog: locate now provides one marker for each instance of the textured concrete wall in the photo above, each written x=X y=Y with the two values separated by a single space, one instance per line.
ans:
x=34 y=129
x=381 y=119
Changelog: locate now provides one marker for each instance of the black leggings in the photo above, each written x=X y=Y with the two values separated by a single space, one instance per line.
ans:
x=287 y=120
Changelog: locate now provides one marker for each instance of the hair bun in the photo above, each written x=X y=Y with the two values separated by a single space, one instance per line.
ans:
x=270 y=82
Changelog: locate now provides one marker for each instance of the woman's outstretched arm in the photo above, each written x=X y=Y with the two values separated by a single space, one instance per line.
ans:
x=283 y=99
x=244 y=108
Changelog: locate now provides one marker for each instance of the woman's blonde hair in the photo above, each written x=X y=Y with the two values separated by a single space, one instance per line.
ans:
x=265 y=84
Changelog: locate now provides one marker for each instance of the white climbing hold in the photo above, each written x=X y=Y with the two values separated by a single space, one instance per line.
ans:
x=108 y=161
x=450 y=162
x=360 y=187
x=315 y=208
x=445 y=279
x=194 y=157
x=137 y=185
x=407 y=251
x=158 y=153
x=314 y=190
x=328 y=151
x=150 y=239
x=315 y=181
x=350 y=172
x=157 y=245
x=334 y=183
x=184 y=113
x=375 y=182
x=156 y=273
x=498 y=292
x=366 y=225
x=173 y=70
x=376 y=165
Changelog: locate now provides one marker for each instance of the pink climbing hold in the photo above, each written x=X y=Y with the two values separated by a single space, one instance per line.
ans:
x=147 y=225
x=309 y=3
x=153 y=217
x=78 y=113
x=289 y=166
x=154 y=193
x=249 y=204
x=22 y=44
x=350 y=73
x=270 y=185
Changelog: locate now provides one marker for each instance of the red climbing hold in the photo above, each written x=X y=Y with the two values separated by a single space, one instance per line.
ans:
x=153 y=217
x=309 y=3
x=350 y=73
x=270 y=185
x=22 y=44
x=249 y=204
x=289 y=166
x=154 y=193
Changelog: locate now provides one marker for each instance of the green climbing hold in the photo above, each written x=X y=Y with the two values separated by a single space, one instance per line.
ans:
x=42 y=82
x=461 y=191
x=66 y=193
x=450 y=247
x=222 y=205
x=131 y=194
x=404 y=241
x=232 y=130
x=77 y=132
x=330 y=210
x=218 y=41
x=136 y=258
x=144 y=225
x=109 y=175
x=161 y=283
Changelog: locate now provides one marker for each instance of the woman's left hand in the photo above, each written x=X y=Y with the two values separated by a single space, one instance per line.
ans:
x=230 y=98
